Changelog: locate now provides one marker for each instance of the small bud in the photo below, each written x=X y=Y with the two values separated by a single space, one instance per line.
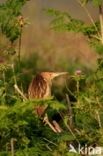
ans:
x=21 y=21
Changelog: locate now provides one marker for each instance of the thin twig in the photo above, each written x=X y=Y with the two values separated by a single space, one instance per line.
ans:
x=48 y=148
x=72 y=133
x=101 y=21
x=14 y=76
x=50 y=141
x=19 y=51
x=98 y=119
x=70 y=92
x=70 y=111
x=4 y=79
x=70 y=130
x=96 y=37
x=90 y=17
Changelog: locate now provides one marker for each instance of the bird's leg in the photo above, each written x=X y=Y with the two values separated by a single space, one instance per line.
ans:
x=57 y=126
x=46 y=121
x=40 y=110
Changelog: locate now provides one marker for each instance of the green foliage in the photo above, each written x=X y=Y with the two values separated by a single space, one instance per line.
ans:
x=88 y=114
x=20 y=127
x=9 y=12
x=98 y=47
x=95 y=2
x=62 y=21
x=18 y=120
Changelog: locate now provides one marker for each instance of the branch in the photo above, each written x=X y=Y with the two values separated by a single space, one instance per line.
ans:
x=96 y=37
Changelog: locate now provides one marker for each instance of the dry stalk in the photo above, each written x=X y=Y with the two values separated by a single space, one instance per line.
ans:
x=19 y=91
x=12 y=142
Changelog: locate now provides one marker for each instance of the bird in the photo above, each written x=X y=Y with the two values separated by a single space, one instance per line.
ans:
x=40 y=87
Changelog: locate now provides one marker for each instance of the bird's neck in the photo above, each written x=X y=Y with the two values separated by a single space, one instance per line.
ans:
x=49 y=82
x=49 y=85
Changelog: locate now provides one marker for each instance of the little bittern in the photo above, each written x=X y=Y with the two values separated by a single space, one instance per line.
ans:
x=40 y=87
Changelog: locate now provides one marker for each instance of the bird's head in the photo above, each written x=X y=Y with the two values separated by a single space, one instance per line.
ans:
x=51 y=75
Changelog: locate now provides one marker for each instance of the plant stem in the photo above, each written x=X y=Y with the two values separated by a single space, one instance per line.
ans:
x=14 y=76
x=98 y=119
x=101 y=21
x=20 y=92
x=50 y=142
x=70 y=111
x=4 y=79
x=90 y=17
x=77 y=85
x=19 y=51
x=12 y=146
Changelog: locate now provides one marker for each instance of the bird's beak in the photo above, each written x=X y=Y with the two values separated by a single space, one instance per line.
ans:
x=58 y=74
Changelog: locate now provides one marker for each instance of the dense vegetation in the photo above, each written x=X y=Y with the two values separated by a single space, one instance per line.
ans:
x=22 y=133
